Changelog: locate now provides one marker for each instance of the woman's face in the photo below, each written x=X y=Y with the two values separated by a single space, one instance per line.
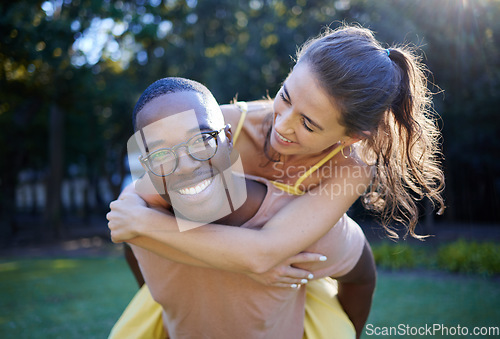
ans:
x=306 y=119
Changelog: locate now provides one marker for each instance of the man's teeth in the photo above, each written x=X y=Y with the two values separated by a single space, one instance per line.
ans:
x=283 y=138
x=197 y=188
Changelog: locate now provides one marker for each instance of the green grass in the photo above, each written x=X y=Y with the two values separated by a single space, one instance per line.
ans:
x=425 y=298
x=82 y=298
x=63 y=298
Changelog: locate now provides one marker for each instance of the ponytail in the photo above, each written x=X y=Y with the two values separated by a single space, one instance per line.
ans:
x=406 y=149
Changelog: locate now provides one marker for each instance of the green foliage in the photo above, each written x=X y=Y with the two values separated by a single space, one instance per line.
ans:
x=242 y=48
x=395 y=256
x=459 y=256
x=470 y=257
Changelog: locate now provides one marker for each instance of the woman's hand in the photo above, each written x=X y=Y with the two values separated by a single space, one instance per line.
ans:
x=124 y=217
x=285 y=275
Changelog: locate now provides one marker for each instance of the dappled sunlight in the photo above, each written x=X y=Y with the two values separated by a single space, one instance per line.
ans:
x=9 y=266
x=73 y=245
x=64 y=264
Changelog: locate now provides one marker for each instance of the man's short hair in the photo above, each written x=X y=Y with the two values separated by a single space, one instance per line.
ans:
x=167 y=86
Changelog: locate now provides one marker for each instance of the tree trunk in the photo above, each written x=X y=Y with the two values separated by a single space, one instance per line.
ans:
x=52 y=217
x=8 y=222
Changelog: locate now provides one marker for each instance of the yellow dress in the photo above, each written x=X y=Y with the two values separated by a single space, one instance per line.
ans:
x=324 y=316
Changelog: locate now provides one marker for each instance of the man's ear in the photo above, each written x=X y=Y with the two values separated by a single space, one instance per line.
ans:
x=229 y=136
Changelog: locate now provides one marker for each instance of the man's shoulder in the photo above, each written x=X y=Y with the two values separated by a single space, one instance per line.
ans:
x=256 y=194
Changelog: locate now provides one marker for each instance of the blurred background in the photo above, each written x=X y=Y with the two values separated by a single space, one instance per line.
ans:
x=72 y=70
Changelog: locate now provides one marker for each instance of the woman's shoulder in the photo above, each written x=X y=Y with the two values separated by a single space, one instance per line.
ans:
x=256 y=110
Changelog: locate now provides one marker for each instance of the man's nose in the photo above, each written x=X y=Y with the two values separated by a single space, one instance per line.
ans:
x=186 y=163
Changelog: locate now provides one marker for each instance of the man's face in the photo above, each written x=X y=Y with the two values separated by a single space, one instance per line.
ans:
x=173 y=126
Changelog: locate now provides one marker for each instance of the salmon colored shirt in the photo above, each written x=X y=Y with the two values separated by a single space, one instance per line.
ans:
x=210 y=303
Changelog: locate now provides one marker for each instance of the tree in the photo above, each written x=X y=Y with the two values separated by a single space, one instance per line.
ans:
x=72 y=71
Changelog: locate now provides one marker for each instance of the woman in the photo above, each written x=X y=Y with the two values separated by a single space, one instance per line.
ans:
x=345 y=89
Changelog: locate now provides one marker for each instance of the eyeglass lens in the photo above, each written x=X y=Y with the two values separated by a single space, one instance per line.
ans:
x=200 y=147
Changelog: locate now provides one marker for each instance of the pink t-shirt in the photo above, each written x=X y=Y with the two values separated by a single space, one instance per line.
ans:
x=210 y=303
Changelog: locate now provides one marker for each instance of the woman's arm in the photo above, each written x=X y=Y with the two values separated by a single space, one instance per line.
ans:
x=355 y=289
x=282 y=275
x=291 y=230
x=156 y=202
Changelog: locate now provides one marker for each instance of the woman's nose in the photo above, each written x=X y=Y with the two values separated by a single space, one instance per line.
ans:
x=284 y=122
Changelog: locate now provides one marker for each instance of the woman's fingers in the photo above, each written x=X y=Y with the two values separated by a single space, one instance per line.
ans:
x=295 y=275
x=292 y=286
x=289 y=281
x=121 y=220
x=306 y=257
x=288 y=276
x=129 y=198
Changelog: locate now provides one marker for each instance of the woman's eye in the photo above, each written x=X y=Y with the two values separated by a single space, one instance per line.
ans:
x=304 y=122
x=283 y=98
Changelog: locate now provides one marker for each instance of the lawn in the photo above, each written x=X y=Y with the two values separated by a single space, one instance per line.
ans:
x=63 y=298
x=82 y=298
x=416 y=299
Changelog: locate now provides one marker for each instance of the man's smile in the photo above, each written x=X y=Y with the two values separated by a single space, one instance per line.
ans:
x=197 y=188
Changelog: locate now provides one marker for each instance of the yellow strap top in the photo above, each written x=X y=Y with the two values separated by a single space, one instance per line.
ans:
x=295 y=189
x=291 y=189
x=244 y=109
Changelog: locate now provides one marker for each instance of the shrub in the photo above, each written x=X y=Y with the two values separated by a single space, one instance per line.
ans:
x=459 y=256
x=470 y=257
x=395 y=256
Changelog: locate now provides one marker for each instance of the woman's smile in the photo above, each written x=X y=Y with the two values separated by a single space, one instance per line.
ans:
x=283 y=140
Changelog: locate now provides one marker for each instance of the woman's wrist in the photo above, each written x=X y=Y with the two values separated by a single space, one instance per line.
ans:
x=139 y=219
x=151 y=220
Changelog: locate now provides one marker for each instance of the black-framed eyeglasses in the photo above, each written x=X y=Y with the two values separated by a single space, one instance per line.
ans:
x=164 y=161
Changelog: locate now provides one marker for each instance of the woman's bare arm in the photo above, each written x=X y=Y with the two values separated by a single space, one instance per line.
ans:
x=155 y=201
x=291 y=230
x=282 y=275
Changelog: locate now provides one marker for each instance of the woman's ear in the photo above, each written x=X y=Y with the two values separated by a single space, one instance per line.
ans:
x=365 y=135
x=229 y=136
x=358 y=137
